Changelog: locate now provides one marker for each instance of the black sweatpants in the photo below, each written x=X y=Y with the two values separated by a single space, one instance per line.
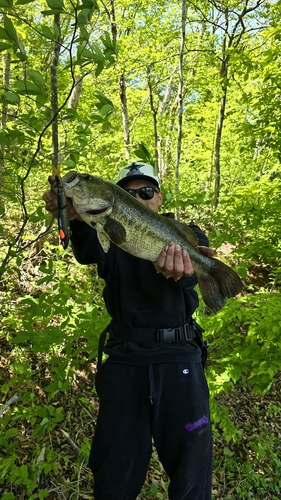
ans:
x=168 y=401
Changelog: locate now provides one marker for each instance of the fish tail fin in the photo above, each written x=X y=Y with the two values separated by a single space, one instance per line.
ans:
x=218 y=283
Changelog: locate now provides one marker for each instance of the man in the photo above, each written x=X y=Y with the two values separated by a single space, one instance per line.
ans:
x=152 y=384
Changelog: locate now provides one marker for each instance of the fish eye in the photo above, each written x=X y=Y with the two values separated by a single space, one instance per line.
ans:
x=87 y=177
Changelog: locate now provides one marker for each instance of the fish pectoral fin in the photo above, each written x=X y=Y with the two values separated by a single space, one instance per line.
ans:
x=104 y=240
x=115 y=231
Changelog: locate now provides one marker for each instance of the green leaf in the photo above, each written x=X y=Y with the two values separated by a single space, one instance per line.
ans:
x=84 y=35
x=5 y=388
x=106 y=110
x=24 y=2
x=4 y=139
x=99 y=68
x=69 y=114
x=74 y=157
x=4 y=35
x=11 y=432
x=84 y=53
x=98 y=52
x=42 y=494
x=70 y=163
x=90 y=4
x=8 y=496
x=12 y=97
x=143 y=152
x=102 y=98
x=47 y=32
x=50 y=12
x=22 y=337
x=57 y=31
x=84 y=16
x=6 y=3
x=10 y=30
x=22 y=57
x=29 y=88
x=107 y=42
x=41 y=101
x=4 y=46
x=97 y=118
x=55 y=4
x=36 y=77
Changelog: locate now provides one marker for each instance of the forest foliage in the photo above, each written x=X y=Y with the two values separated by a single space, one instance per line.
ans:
x=194 y=88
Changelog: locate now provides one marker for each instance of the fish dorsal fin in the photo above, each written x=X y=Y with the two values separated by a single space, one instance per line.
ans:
x=115 y=231
x=186 y=231
x=192 y=238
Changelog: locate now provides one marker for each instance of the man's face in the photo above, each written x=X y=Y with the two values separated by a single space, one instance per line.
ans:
x=155 y=202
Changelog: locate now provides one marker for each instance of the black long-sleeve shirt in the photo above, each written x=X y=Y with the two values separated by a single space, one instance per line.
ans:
x=137 y=296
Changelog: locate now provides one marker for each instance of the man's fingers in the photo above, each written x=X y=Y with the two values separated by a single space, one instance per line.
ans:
x=188 y=267
x=162 y=258
x=178 y=261
x=174 y=262
x=170 y=256
x=51 y=179
x=166 y=258
x=49 y=196
x=207 y=251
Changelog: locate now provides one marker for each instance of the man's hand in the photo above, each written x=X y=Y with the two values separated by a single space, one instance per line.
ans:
x=51 y=203
x=174 y=261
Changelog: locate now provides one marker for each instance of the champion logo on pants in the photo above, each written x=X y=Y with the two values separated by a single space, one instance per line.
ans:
x=202 y=421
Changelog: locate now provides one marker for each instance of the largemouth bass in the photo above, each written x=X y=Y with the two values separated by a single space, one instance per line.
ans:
x=119 y=218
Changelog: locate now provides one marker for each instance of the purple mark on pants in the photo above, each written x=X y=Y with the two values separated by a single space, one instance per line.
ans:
x=202 y=421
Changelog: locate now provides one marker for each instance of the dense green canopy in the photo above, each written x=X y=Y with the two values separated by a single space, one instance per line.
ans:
x=195 y=89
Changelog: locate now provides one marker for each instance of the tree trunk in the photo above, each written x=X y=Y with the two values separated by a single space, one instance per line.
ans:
x=122 y=83
x=6 y=60
x=54 y=99
x=163 y=164
x=218 y=141
x=154 y=115
x=231 y=38
x=218 y=137
x=76 y=93
x=125 y=116
x=180 y=104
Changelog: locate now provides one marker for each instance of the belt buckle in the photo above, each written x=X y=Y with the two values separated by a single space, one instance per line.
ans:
x=178 y=335
x=166 y=335
x=188 y=332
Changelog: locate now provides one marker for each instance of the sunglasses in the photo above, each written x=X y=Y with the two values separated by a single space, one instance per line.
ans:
x=145 y=193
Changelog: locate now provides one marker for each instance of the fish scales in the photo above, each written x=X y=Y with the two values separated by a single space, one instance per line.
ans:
x=148 y=241
x=119 y=218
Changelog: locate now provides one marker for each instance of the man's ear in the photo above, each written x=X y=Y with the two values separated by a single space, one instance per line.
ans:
x=160 y=197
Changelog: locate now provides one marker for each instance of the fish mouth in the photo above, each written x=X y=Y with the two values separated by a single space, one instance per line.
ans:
x=97 y=211
x=70 y=179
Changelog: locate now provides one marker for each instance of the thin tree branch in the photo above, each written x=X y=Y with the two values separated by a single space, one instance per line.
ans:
x=8 y=404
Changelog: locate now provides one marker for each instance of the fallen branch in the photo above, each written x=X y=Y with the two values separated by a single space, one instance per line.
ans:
x=9 y=403
x=70 y=441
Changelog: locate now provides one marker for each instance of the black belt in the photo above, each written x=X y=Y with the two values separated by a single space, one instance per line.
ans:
x=163 y=335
